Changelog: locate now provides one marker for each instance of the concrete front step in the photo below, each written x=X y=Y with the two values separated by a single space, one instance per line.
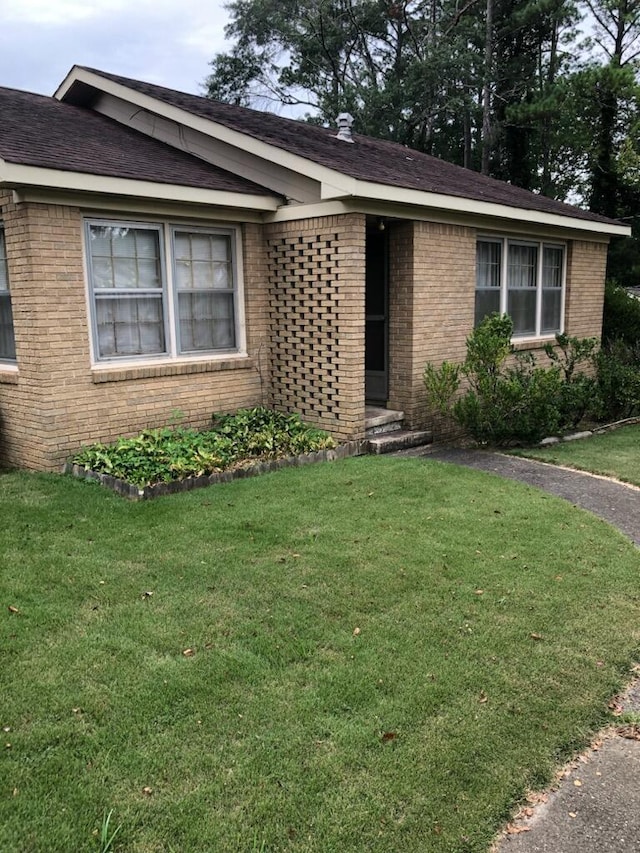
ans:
x=399 y=440
x=379 y=420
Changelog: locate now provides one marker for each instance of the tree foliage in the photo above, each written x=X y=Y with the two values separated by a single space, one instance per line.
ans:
x=541 y=93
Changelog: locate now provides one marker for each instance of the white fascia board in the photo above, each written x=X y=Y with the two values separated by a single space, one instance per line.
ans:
x=439 y=201
x=15 y=175
x=339 y=183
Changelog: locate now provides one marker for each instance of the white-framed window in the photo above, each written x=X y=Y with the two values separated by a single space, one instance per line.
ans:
x=524 y=279
x=158 y=289
x=7 y=339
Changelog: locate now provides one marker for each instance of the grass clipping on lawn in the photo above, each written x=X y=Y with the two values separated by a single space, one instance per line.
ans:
x=375 y=655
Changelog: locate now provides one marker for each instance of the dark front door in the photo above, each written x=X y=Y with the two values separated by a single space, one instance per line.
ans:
x=376 y=318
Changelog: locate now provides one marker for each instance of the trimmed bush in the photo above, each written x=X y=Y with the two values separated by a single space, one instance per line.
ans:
x=519 y=403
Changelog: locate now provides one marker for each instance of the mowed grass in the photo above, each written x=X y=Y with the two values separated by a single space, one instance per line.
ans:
x=386 y=654
x=613 y=454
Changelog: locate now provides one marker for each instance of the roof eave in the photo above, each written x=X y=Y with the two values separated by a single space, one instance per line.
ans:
x=370 y=191
x=81 y=79
x=14 y=175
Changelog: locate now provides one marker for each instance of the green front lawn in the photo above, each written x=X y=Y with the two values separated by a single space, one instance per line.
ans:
x=376 y=654
x=613 y=454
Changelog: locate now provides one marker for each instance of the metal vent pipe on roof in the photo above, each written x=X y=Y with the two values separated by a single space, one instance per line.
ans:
x=345 y=123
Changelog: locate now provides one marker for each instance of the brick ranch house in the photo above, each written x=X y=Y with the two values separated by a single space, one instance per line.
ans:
x=161 y=251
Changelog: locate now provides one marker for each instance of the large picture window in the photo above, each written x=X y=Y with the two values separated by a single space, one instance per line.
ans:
x=521 y=278
x=7 y=339
x=161 y=290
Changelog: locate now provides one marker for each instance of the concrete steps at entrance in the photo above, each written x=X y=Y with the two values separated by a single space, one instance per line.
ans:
x=401 y=439
x=378 y=421
x=385 y=433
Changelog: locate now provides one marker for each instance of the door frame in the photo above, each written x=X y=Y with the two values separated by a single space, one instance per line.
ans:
x=377 y=241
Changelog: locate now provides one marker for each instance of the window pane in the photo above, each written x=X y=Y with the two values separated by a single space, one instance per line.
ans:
x=4 y=275
x=551 y=309
x=146 y=243
x=521 y=307
x=203 y=261
x=125 y=273
x=130 y=326
x=552 y=267
x=221 y=248
x=201 y=247
x=487 y=302
x=102 y=272
x=522 y=267
x=122 y=242
x=202 y=275
x=7 y=341
x=488 y=261
x=125 y=258
x=222 y=279
x=206 y=321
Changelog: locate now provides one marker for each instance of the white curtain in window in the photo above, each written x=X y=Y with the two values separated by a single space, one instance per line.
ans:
x=130 y=326
x=4 y=275
x=521 y=288
x=488 y=276
x=126 y=260
x=204 y=281
x=488 y=257
x=552 y=260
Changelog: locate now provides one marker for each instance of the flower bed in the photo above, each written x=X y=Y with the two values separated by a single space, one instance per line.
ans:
x=172 y=459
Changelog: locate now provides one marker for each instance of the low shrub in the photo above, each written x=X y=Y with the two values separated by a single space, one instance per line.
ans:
x=522 y=402
x=176 y=452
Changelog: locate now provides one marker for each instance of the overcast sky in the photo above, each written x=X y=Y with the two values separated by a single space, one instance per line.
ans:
x=169 y=42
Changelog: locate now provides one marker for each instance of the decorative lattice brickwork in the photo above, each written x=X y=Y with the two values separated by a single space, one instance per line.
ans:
x=304 y=305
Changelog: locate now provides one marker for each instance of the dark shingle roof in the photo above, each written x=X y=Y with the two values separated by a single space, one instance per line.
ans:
x=368 y=159
x=39 y=131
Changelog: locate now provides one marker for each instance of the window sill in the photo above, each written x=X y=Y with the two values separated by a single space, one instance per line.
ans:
x=520 y=344
x=123 y=373
x=8 y=373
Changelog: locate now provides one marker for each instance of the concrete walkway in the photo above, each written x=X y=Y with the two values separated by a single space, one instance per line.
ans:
x=596 y=808
x=617 y=503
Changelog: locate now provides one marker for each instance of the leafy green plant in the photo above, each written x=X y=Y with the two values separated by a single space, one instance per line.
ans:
x=441 y=384
x=577 y=392
x=174 y=453
x=267 y=433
